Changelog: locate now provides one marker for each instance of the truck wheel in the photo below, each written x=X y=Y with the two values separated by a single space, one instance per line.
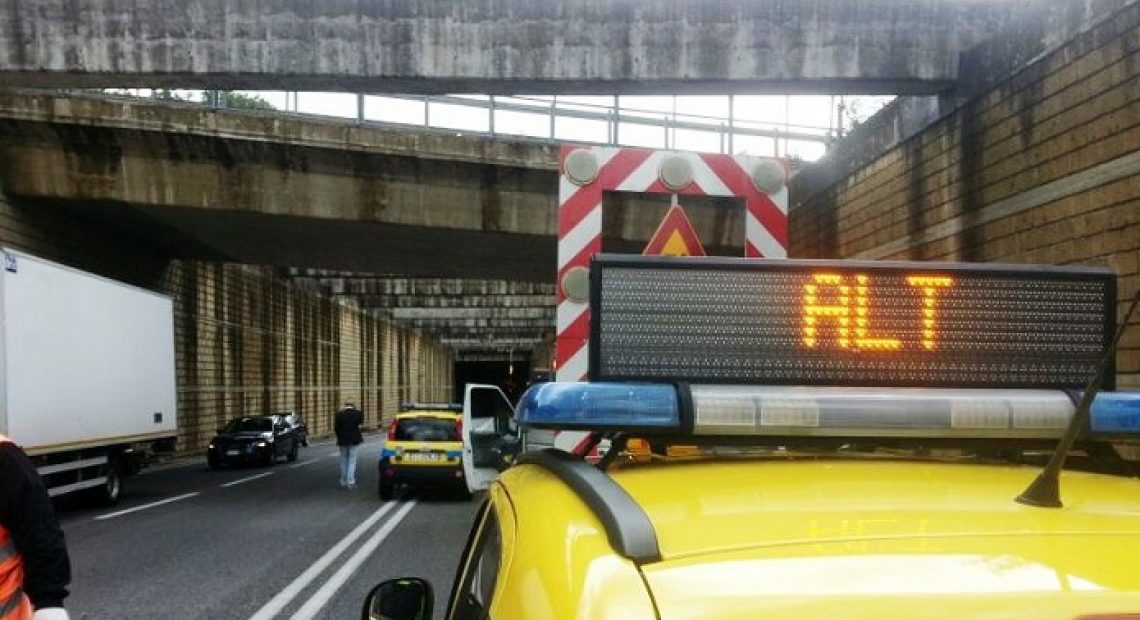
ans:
x=386 y=490
x=271 y=456
x=214 y=461
x=293 y=452
x=109 y=492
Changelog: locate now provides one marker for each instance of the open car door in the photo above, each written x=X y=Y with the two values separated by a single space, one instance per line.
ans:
x=490 y=435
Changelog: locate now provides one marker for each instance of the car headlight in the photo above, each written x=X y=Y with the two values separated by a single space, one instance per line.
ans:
x=212 y=446
x=263 y=443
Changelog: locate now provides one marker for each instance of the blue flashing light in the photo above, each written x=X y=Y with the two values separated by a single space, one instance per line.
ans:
x=1115 y=413
x=600 y=406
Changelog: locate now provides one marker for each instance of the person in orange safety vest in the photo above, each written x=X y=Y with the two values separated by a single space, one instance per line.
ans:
x=34 y=567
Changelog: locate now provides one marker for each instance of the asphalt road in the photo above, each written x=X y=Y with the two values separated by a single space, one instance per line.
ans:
x=258 y=542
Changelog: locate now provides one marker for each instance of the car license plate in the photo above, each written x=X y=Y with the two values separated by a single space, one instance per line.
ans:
x=421 y=456
x=233 y=452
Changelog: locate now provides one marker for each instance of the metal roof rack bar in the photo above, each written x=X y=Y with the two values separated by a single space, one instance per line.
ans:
x=627 y=526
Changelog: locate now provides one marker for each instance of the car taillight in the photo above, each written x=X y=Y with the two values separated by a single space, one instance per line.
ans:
x=459 y=429
x=392 y=430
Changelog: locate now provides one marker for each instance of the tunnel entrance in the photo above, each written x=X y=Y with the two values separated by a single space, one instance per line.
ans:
x=511 y=377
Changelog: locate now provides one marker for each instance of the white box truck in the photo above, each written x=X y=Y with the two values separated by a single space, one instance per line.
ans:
x=87 y=379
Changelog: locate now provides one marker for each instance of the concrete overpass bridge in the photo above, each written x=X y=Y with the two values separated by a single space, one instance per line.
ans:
x=450 y=234
x=500 y=47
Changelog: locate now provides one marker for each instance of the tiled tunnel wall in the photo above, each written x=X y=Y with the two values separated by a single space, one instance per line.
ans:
x=1042 y=168
x=246 y=340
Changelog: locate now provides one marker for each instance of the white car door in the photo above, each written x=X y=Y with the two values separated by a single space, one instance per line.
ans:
x=490 y=435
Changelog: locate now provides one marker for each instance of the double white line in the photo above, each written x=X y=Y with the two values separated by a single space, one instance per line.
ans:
x=322 y=596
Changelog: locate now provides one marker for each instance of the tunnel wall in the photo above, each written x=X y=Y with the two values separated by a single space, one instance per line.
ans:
x=246 y=340
x=1044 y=167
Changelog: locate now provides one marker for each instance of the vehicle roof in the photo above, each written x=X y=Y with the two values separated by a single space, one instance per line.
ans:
x=816 y=538
x=410 y=406
x=717 y=506
x=702 y=507
x=429 y=413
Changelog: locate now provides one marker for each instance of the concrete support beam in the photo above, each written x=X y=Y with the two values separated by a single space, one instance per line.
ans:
x=493 y=312
x=448 y=314
x=501 y=344
x=368 y=284
x=501 y=47
x=452 y=301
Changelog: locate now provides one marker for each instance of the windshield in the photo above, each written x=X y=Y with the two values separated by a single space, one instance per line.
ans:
x=427 y=429
x=245 y=425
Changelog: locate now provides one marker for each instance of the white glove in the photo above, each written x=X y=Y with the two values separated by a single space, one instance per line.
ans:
x=51 y=613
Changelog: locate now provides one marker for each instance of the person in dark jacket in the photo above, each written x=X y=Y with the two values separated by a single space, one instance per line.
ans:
x=347 y=423
x=34 y=567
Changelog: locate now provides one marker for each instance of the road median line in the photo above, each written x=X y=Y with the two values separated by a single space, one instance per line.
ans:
x=271 y=609
x=322 y=596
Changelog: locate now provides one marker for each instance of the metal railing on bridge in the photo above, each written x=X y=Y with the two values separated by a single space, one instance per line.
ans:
x=550 y=119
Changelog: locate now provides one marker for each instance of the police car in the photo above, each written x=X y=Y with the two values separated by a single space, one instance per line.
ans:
x=804 y=439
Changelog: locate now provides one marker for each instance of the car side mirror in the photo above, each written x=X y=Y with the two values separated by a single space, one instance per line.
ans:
x=404 y=598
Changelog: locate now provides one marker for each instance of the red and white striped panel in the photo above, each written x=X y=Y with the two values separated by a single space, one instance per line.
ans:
x=586 y=173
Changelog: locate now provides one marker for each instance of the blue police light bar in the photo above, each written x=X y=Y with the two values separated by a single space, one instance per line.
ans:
x=600 y=406
x=1115 y=413
x=809 y=411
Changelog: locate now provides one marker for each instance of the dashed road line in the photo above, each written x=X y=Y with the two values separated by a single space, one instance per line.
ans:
x=168 y=500
x=304 y=463
x=244 y=480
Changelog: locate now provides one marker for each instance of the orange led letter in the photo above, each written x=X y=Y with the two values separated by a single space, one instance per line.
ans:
x=838 y=312
x=863 y=340
x=929 y=285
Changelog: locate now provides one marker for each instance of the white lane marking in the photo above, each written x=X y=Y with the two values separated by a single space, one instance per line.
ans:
x=290 y=592
x=303 y=463
x=244 y=480
x=322 y=596
x=120 y=513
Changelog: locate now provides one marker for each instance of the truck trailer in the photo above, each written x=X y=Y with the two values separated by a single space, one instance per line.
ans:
x=87 y=378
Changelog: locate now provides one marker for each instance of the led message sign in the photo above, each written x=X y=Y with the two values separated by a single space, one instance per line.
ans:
x=847 y=323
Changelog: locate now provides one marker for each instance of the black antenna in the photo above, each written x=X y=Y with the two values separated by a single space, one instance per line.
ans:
x=1045 y=490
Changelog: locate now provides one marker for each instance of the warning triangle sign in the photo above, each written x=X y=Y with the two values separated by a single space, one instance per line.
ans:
x=675 y=236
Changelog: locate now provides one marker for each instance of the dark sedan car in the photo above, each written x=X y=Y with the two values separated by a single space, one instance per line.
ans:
x=253 y=439
x=294 y=420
